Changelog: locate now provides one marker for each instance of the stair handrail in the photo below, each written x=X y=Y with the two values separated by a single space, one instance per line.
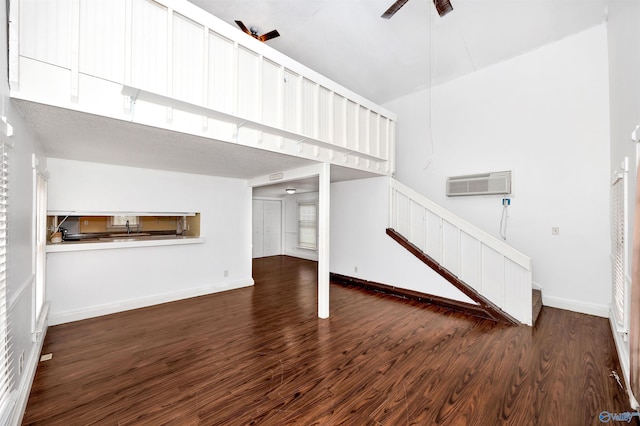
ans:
x=484 y=237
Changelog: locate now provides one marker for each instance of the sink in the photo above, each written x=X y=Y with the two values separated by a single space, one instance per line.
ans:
x=134 y=236
x=121 y=239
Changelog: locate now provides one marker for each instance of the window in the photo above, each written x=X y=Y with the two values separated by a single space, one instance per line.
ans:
x=122 y=220
x=308 y=224
x=619 y=265
x=39 y=294
x=5 y=346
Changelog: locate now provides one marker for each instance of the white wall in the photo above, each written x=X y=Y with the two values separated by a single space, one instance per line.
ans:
x=624 y=88
x=359 y=217
x=545 y=116
x=90 y=283
x=290 y=213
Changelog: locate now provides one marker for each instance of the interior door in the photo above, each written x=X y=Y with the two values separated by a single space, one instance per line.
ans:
x=258 y=229
x=272 y=221
x=267 y=228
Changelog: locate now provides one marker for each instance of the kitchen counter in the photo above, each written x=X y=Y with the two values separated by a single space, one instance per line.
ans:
x=109 y=243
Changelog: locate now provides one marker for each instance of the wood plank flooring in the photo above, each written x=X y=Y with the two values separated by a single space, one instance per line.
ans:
x=260 y=355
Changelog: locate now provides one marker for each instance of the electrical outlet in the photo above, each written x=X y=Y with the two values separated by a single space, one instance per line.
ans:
x=226 y=273
x=555 y=230
x=355 y=269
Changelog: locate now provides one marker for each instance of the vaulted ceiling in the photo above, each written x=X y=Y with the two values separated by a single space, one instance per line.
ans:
x=347 y=41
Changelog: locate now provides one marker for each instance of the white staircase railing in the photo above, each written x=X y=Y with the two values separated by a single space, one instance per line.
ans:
x=492 y=268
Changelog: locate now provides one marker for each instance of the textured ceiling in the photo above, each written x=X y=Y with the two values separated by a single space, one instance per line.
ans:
x=348 y=42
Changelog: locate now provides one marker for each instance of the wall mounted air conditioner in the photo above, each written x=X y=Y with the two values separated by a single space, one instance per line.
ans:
x=480 y=184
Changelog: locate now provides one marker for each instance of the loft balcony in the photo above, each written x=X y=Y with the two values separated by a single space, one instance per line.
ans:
x=100 y=70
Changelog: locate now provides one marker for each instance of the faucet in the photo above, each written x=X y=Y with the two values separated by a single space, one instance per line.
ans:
x=128 y=227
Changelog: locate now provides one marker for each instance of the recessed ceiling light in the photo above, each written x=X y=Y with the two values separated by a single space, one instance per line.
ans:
x=290 y=190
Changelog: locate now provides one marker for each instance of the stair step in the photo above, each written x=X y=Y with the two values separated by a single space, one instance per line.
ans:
x=537 y=304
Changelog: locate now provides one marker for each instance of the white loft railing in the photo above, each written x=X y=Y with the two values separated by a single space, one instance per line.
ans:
x=492 y=268
x=169 y=64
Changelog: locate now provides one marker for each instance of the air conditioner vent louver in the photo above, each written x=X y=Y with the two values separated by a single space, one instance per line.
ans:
x=479 y=184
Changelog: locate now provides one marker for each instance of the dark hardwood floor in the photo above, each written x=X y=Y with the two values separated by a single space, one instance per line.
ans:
x=260 y=355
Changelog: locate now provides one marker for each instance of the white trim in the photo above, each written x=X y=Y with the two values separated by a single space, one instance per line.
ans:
x=114 y=213
x=40 y=326
x=576 y=306
x=28 y=376
x=303 y=254
x=56 y=318
x=17 y=295
x=85 y=246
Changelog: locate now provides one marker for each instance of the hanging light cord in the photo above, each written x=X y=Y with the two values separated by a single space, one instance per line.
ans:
x=503 y=221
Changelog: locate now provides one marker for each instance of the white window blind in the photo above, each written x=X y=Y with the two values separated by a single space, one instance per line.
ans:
x=308 y=224
x=619 y=286
x=41 y=245
x=5 y=344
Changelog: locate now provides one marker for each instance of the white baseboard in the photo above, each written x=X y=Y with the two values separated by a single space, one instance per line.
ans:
x=24 y=387
x=56 y=318
x=303 y=254
x=576 y=306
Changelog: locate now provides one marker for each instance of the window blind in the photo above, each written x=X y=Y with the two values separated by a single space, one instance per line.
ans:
x=618 y=252
x=6 y=377
x=41 y=244
x=307 y=224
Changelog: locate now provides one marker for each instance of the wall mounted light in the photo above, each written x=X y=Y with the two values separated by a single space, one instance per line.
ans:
x=290 y=191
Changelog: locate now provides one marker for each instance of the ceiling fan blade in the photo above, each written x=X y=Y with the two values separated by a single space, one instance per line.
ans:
x=243 y=27
x=443 y=7
x=393 y=9
x=269 y=35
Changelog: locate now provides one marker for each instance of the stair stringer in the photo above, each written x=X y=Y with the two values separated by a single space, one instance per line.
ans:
x=492 y=310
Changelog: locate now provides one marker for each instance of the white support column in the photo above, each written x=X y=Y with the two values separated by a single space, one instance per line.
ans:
x=323 y=240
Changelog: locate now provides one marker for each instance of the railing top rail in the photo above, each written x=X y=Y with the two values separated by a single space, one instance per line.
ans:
x=468 y=228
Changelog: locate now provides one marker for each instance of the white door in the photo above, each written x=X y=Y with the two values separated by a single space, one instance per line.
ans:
x=258 y=231
x=267 y=228
x=272 y=220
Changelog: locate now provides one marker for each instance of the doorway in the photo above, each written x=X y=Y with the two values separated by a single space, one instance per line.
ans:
x=267 y=228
